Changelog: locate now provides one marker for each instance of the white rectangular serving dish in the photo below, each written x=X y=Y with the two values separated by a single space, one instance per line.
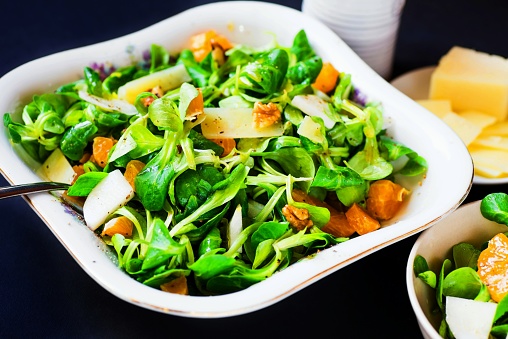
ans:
x=446 y=185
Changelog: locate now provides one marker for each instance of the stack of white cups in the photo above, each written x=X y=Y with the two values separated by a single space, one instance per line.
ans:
x=369 y=27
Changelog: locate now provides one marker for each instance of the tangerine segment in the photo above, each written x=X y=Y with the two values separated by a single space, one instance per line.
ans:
x=121 y=225
x=326 y=80
x=228 y=144
x=493 y=267
x=385 y=199
x=178 y=285
x=201 y=44
x=361 y=221
x=131 y=170
x=338 y=226
x=101 y=147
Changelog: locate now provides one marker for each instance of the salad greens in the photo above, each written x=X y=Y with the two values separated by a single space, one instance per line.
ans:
x=459 y=277
x=220 y=217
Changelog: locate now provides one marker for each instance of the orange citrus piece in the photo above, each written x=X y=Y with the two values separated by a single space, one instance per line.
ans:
x=201 y=44
x=101 y=147
x=385 y=199
x=360 y=220
x=338 y=226
x=493 y=266
x=196 y=106
x=131 y=170
x=178 y=286
x=228 y=144
x=121 y=225
x=78 y=169
x=326 y=80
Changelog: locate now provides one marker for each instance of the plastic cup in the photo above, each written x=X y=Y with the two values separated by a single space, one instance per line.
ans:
x=369 y=27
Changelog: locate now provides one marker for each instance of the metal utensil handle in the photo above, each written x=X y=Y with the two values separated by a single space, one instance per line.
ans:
x=23 y=189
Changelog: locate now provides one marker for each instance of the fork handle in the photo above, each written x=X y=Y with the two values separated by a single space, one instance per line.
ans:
x=23 y=189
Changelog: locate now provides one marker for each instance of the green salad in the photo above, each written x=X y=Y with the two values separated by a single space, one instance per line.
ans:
x=471 y=288
x=212 y=169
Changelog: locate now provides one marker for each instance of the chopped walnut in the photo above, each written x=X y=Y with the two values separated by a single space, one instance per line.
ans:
x=157 y=90
x=264 y=115
x=298 y=217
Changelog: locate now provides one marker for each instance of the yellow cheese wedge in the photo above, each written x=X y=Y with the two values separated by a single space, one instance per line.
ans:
x=488 y=172
x=492 y=142
x=492 y=163
x=465 y=129
x=472 y=80
x=57 y=168
x=167 y=79
x=478 y=118
x=438 y=107
x=235 y=123
x=499 y=128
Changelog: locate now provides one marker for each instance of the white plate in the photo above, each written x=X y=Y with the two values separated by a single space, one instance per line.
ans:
x=450 y=166
x=415 y=84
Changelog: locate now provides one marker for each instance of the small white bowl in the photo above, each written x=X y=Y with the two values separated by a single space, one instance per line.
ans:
x=466 y=224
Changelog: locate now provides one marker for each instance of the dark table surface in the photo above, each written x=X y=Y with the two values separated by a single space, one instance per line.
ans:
x=45 y=294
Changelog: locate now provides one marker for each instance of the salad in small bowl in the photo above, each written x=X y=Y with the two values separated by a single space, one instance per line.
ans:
x=457 y=273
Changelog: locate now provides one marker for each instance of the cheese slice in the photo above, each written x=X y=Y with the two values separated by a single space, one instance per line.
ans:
x=466 y=130
x=438 y=107
x=490 y=159
x=499 y=128
x=478 y=118
x=492 y=142
x=472 y=80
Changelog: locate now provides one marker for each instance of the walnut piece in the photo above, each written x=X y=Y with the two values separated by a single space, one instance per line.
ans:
x=298 y=218
x=264 y=115
x=157 y=90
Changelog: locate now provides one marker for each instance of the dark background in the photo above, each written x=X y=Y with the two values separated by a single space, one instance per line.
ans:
x=45 y=294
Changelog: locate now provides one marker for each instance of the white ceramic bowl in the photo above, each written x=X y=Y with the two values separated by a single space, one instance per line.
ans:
x=450 y=166
x=465 y=224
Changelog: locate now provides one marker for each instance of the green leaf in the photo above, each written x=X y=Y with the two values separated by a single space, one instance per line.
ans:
x=76 y=138
x=337 y=178
x=445 y=269
x=211 y=242
x=85 y=183
x=465 y=255
x=494 y=207
x=93 y=82
x=268 y=230
x=224 y=192
x=159 y=58
x=429 y=278
x=209 y=266
x=152 y=182
x=301 y=47
x=266 y=74
x=162 y=246
x=501 y=316
x=295 y=161
x=118 y=78
x=420 y=265
x=164 y=113
x=305 y=71
x=462 y=282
